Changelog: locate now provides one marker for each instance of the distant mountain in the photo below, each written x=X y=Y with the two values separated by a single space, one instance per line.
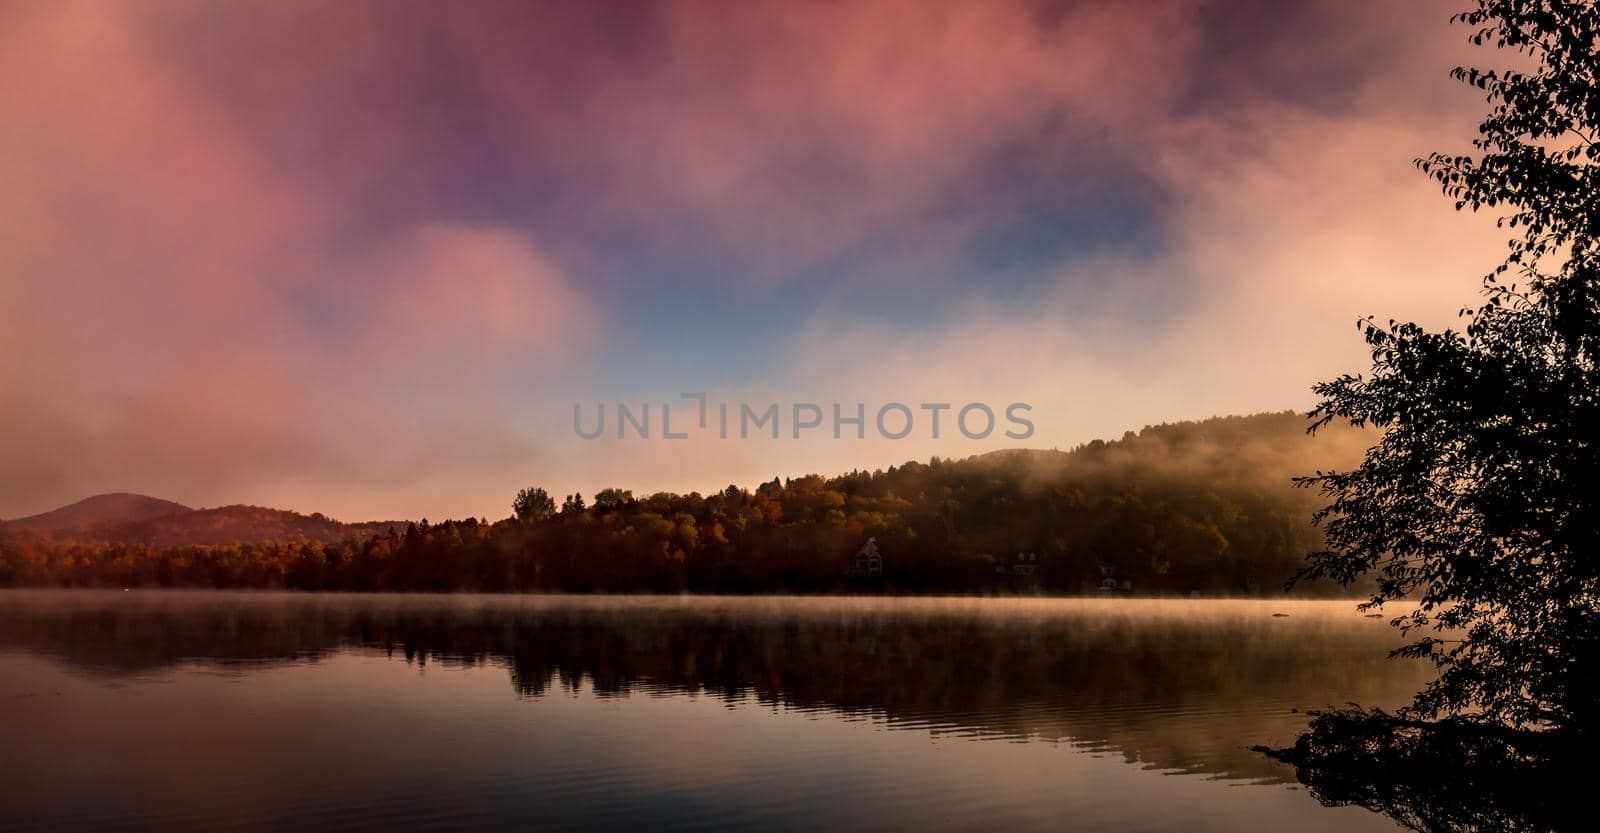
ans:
x=236 y=525
x=113 y=508
x=137 y=519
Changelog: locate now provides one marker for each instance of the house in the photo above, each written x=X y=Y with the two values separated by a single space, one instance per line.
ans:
x=868 y=561
x=1022 y=565
x=1108 y=578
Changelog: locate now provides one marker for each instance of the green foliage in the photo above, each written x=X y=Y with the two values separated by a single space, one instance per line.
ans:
x=1481 y=500
x=1193 y=507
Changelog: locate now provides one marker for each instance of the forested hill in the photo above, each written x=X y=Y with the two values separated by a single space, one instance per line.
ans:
x=231 y=524
x=100 y=510
x=123 y=518
x=1188 y=507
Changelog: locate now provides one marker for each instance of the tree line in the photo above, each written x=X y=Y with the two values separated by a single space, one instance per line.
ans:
x=1203 y=507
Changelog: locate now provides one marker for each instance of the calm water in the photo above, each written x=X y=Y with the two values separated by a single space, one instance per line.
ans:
x=240 y=711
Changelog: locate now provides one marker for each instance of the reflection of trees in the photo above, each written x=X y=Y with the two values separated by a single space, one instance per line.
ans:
x=1450 y=776
x=1123 y=677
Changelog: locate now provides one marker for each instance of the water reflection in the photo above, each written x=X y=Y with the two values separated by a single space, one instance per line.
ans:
x=1450 y=776
x=1175 y=686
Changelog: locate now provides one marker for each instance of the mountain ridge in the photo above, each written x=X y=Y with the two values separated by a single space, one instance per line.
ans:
x=110 y=507
x=130 y=518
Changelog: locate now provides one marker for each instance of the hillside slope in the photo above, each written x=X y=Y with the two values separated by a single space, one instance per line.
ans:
x=112 y=508
x=235 y=525
x=125 y=518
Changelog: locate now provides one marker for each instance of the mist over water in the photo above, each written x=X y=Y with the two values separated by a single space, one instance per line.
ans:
x=242 y=711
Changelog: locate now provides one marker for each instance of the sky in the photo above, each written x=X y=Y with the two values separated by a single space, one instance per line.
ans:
x=364 y=258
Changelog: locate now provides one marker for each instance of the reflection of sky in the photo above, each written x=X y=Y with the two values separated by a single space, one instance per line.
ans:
x=352 y=258
x=358 y=739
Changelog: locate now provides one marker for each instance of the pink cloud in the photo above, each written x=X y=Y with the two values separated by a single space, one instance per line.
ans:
x=234 y=267
x=478 y=292
x=161 y=283
x=790 y=135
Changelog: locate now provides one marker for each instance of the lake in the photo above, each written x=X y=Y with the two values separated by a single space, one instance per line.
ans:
x=269 y=711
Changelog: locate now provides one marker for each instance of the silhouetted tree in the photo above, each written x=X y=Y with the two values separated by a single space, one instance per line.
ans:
x=532 y=505
x=612 y=499
x=1482 y=500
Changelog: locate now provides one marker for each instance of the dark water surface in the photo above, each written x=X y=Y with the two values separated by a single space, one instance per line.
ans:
x=257 y=711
